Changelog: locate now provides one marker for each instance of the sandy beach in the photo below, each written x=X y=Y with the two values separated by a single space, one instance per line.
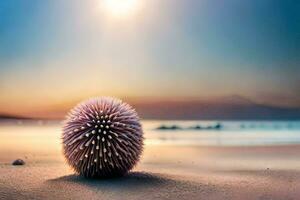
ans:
x=165 y=172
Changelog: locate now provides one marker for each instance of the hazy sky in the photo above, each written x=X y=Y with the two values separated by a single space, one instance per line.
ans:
x=56 y=51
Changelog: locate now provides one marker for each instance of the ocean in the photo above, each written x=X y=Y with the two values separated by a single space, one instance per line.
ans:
x=40 y=133
x=230 y=133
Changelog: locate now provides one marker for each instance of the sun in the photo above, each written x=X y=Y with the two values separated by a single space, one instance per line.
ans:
x=120 y=8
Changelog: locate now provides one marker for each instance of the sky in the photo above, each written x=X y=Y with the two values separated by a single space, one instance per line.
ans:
x=54 y=52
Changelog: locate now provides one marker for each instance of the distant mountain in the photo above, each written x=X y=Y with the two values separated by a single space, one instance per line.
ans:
x=227 y=108
x=223 y=108
x=233 y=99
x=5 y=116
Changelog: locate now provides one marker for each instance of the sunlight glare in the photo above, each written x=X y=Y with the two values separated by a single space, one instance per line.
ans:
x=120 y=8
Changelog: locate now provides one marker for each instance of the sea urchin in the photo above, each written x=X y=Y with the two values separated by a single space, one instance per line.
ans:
x=102 y=137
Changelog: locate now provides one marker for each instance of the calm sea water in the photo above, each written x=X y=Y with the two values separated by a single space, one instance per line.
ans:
x=231 y=132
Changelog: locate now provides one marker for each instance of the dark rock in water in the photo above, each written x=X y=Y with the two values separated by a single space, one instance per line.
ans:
x=18 y=162
x=218 y=126
x=197 y=127
x=212 y=127
x=162 y=127
x=173 y=127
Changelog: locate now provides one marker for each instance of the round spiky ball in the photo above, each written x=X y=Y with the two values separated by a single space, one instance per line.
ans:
x=102 y=137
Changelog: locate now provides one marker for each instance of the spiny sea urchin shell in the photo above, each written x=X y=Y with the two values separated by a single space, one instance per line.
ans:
x=102 y=137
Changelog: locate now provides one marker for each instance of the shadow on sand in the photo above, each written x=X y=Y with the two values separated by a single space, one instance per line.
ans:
x=130 y=180
x=134 y=185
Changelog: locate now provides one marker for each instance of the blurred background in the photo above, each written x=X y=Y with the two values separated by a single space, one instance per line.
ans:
x=171 y=59
x=231 y=67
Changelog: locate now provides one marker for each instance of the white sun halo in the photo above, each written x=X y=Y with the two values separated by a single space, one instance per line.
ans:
x=120 y=8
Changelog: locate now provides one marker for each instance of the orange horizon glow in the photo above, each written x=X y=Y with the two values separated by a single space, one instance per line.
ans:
x=59 y=109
